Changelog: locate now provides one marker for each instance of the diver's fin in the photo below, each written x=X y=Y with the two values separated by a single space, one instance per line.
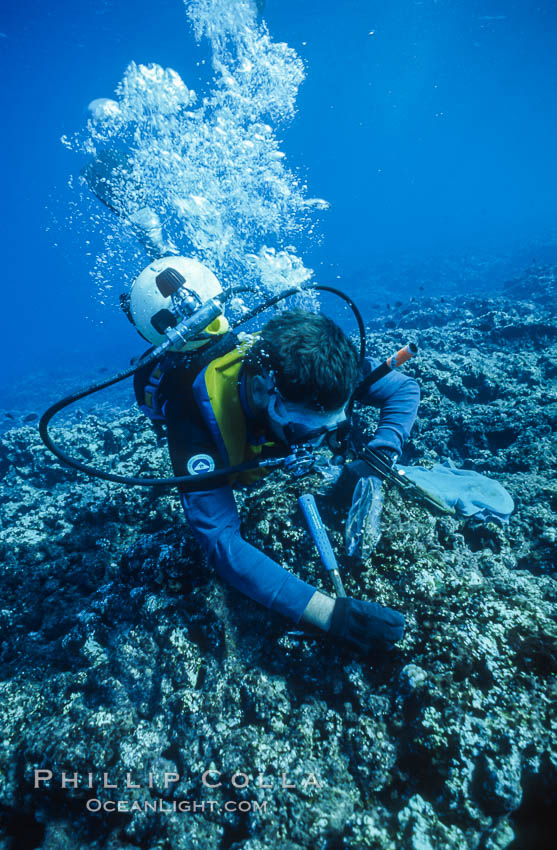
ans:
x=109 y=175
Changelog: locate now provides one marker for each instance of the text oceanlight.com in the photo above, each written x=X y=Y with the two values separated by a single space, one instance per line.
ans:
x=170 y=806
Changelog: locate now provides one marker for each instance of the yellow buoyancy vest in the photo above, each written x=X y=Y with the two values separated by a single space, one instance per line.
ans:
x=217 y=393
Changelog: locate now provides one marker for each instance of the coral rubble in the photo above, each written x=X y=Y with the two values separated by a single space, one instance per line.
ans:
x=122 y=653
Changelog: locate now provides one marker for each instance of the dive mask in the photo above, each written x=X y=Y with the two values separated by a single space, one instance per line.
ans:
x=295 y=424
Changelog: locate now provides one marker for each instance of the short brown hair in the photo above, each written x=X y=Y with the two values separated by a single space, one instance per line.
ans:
x=312 y=358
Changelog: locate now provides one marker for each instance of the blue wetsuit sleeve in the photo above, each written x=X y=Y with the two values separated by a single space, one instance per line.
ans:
x=398 y=397
x=214 y=520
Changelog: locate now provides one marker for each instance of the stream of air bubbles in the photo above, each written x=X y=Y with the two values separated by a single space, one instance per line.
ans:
x=203 y=175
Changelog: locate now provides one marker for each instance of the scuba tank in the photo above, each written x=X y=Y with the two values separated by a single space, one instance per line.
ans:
x=169 y=290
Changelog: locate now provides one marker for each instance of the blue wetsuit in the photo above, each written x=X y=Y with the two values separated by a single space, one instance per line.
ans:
x=212 y=513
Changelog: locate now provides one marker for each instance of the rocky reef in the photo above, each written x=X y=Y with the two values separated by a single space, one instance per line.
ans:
x=124 y=660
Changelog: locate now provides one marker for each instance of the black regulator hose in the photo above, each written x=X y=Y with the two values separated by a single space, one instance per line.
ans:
x=112 y=476
x=152 y=357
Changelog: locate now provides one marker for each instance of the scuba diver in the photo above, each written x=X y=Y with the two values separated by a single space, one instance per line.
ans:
x=286 y=386
x=235 y=406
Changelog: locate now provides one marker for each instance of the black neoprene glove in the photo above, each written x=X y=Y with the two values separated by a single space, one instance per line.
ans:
x=366 y=626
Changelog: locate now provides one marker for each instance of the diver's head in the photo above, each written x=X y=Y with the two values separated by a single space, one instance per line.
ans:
x=301 y=371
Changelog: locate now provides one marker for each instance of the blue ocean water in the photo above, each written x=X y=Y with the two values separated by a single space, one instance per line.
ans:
x=428 y=128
